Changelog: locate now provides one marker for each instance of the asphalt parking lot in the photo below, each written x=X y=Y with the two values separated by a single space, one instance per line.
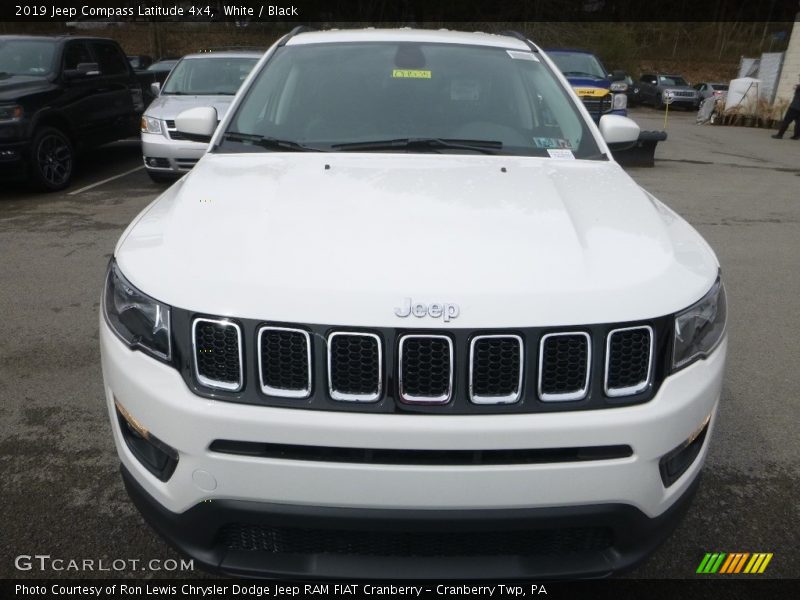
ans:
x=61 y=490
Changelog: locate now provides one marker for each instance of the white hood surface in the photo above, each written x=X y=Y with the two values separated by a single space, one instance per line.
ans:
x=344 y=238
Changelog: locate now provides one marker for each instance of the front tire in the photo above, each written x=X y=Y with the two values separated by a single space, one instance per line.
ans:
x=52 y=160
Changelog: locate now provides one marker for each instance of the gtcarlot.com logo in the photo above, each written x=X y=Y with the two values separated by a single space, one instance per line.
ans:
x=731 y=563
x=45 y=562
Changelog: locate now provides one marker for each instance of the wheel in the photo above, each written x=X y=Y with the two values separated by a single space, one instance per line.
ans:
x=658 y=103
x=52 y=159
x=161 y=177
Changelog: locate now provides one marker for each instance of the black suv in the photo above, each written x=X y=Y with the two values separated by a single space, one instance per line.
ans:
x=59 y=94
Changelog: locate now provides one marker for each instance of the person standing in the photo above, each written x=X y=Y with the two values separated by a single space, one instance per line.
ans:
x=792 y=114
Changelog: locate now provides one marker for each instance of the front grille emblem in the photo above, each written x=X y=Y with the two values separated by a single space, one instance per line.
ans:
x=437 y=310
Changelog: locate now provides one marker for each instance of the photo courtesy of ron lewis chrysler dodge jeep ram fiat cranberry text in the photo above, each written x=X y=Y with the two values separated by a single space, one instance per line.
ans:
x=407 y=317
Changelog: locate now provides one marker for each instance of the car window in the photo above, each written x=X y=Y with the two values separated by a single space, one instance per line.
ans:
x=110 y=59
x=671 y=80
x=343 y=93
x=578 y=64
x=209 y=75
x=26 y=57
x=75 y=54
x=720 y=87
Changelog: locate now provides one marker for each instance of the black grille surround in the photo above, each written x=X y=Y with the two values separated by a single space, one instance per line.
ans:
x=425 y=368
x=564 y=366
x=496 y=365
x=217 y=348
x=284 y=358
x=628 y=360
x=389 y=400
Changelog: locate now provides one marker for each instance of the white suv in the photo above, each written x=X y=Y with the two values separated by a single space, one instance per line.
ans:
x=407 y=317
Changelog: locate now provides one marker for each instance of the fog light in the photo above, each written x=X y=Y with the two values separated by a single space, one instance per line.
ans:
x=9 y=155
x=156 y=456
x=674 y=464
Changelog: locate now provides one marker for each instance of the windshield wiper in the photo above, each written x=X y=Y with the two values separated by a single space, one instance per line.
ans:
x=269 y=142
x=484 y=146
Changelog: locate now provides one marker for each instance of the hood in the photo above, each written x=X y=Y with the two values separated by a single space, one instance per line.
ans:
x=16 y=86
x=343 y=239
x=169 y=106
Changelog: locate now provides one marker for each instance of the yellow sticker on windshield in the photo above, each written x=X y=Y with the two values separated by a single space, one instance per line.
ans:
x=411 y=74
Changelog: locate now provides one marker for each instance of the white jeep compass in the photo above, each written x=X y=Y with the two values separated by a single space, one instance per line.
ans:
x=407 y=317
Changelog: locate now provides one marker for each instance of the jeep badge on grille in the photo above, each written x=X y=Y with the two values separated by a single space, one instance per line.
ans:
x=418 y=309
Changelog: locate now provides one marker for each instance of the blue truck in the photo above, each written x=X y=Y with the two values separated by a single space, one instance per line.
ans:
x=601 y=92
x=604 y=93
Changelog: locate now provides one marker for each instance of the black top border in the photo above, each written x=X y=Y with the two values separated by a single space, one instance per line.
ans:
x=399 y=12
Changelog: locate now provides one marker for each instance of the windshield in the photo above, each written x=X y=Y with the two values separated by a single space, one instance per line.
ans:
x=424 y=97
x=723 y=87
x=671 y=80
x=26 y=57
x=578 y=64
x=208 y=76
x=162 y=65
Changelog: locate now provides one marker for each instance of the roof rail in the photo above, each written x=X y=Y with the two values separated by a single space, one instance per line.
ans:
x=294 y=32
x=520 y=36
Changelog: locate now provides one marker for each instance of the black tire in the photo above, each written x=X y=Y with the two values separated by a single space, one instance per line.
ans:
x=658 y=103
x=161 y=177
x=52 y=159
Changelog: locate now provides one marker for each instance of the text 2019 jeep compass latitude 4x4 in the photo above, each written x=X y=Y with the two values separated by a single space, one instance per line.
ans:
x=408 y=318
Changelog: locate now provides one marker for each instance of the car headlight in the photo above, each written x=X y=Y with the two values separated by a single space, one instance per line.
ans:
x=619 y=86
x=139 y=320
x=150 y=125
x=699 y=328
x=11 y=112
x=619 y=102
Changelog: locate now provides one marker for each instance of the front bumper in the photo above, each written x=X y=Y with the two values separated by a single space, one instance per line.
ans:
x=627 y=492
x=200 y=533
x=13 y=160
x=162 y=154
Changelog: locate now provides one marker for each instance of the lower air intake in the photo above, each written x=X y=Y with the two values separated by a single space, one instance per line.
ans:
x=543 y=542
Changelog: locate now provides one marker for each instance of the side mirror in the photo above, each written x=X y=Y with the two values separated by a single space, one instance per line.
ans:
x=155 y=88
x=617 y=75
x=197 y=124
x=620 y=133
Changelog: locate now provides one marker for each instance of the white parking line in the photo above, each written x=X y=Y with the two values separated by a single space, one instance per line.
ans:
x=94 y=185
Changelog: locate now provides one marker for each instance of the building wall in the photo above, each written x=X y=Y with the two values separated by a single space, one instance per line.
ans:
x=791 y=65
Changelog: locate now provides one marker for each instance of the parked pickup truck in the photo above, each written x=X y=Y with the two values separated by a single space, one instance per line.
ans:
x=61 y=94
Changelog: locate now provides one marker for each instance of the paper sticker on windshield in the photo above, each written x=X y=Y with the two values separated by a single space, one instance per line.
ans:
x=561 y=153
x=410 y=74
x=519 y=55
x=546 y=142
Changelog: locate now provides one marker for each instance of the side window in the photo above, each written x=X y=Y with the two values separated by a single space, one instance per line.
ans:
x=645 y=78
x=76 y=53
x=110 y=60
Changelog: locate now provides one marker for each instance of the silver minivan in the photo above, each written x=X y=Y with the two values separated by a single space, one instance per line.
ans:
x=204 y=79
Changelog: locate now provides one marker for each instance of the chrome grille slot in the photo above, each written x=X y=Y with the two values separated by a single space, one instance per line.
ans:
x=355 y=366
x=425 y=369
x=495 y=369
x=564 y=364
x=284 y=358
x=217 y=345
x=629 y=360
